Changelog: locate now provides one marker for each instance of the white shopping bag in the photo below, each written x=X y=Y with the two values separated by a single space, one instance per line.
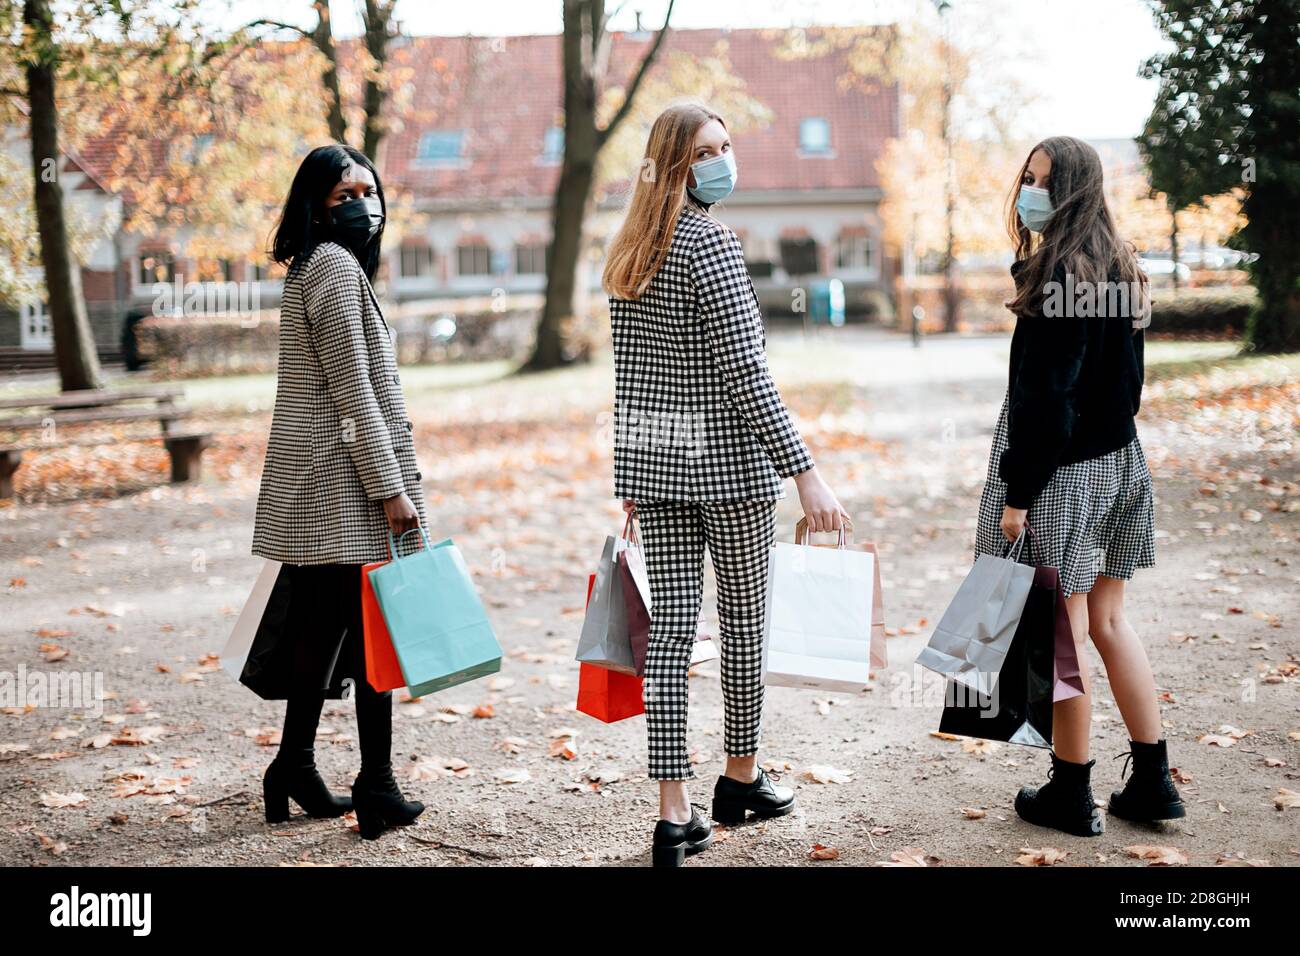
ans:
x=235 y=654
x=817 y=622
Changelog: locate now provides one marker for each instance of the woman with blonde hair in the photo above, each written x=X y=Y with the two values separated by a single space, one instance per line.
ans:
x=702 y=446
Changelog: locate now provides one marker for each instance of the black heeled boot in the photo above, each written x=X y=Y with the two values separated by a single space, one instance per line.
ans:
x=673 y=842
x=293 y=772
x=1065 y=802
x=731 y=798
x=376 y=797
x=1149 y=794
x=380 y=804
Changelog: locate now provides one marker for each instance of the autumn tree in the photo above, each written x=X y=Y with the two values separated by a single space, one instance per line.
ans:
x=1225 y=118
x=586 y=49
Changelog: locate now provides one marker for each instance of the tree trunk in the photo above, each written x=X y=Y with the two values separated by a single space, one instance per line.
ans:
x=567 y=231
x=74 y=346
x=1173 y=246
x=1274 y=325
x=323 y=37
x=379 y=18
x=577 y=175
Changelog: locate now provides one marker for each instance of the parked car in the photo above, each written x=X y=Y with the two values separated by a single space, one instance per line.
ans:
x=1164 y=267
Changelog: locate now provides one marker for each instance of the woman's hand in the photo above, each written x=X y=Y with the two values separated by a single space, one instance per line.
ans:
x=1013 y=522
x=820 y=506
x=628 y=505
x=402 y=516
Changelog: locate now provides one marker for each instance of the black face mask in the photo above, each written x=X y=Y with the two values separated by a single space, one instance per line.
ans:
x=356 y=221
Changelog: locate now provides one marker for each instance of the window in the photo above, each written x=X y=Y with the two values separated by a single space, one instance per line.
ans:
x=854 y=252
x=444 y=146
x=34 y=326
x=531 y=258
x=553 y=144
x=814 y=135
x=799 y=256
x=156 y=267
x=213 y=270
x=416 y=261
x=474 y=260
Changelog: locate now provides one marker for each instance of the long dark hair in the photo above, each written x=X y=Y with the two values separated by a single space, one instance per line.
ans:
x=1080 y=235
x=305 y=220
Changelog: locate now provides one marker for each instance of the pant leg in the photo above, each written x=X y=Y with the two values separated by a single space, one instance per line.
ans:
x=374 y=709
x=672 y=541
x=740 y=536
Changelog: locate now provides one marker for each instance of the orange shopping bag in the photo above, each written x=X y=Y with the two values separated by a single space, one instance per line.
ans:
x=608 y=695
x=383 y=671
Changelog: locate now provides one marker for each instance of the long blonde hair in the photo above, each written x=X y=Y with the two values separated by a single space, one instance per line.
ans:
x=641 y=244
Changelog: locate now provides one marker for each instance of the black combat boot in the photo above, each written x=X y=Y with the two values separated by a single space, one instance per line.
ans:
x=1065 y=802
x=1149 y=794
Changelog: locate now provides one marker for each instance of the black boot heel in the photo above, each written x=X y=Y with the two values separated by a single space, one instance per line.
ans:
x=370 y=820
x=669 y=855
x=728 y=812
x=275 y=800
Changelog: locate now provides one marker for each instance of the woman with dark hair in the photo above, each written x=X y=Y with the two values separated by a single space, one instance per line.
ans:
x=1067 y=463
x=340 y=475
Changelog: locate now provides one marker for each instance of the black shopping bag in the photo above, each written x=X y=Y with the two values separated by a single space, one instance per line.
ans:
x=302 y=641
x=1018 y=708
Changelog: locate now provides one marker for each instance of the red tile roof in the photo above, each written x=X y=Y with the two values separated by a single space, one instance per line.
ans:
x=506 y=91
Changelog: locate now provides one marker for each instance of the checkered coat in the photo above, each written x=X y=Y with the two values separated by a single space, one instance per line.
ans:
x=340 y=438
x=696 y=414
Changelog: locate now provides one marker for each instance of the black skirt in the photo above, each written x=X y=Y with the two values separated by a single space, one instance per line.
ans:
x=310 y=640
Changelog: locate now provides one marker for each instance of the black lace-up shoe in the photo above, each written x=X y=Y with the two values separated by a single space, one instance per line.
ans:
x=731 y=798
x=674 y=841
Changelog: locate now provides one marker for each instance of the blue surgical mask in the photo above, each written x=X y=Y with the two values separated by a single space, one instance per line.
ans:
x=715 y=178
x=1034 y=206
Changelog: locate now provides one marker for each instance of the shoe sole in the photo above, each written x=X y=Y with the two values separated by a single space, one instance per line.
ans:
x=1168 y=811
x=730 y=813
x=1077 y=831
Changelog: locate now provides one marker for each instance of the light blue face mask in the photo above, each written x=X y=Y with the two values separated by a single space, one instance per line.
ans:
x=715 y=177
x=1034 y=206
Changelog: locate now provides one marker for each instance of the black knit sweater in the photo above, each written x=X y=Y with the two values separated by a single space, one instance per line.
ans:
x=1075 y=385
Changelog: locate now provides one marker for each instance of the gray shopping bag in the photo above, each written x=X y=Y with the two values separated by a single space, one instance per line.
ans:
x=975 y=632
x=605 y=639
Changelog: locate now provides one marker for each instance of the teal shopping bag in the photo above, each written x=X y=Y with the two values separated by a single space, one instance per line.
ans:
x=435 y=618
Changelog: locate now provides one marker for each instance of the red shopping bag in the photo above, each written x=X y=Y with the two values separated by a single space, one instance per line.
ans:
x=383 y=671
x=605 y=694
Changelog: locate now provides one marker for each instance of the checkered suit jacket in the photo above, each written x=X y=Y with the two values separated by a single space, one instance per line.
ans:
x=340 y=438
x=696 y=414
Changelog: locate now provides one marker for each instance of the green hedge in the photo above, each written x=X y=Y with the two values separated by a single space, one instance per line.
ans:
x=1216 y=311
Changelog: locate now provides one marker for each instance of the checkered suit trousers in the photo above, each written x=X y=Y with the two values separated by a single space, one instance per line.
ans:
x=340 y=438
x=696 y=414
x=674 y=535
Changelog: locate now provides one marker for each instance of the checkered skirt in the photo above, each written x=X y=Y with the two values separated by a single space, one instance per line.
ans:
x=1094 y=517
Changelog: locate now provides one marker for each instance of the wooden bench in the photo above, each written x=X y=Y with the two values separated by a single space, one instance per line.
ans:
x=163 y=403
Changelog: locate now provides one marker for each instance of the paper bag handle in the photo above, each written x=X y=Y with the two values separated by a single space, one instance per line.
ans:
x=801 y=531
x=1026 y=535
x=395 y=543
